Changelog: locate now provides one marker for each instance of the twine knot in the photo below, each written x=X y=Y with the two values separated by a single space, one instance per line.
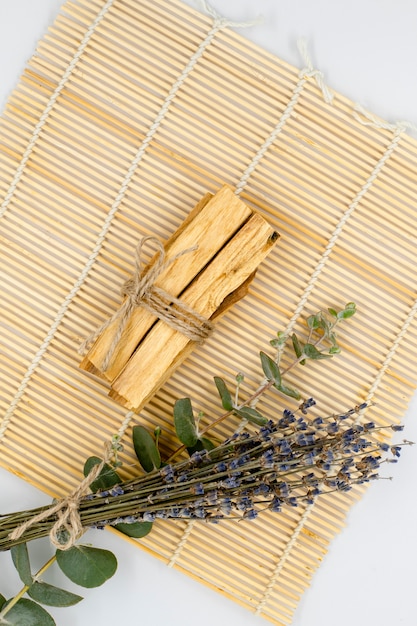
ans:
x=140 y=290
x=220 y=22
x=68 y=527
x=310 y=72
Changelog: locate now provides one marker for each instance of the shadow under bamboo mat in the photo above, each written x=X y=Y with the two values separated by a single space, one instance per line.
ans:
x=128 y=113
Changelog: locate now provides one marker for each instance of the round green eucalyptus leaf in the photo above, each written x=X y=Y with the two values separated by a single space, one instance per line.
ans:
x=107 y=478
x=86 y=566
x=51 y=595
x=21 y=562
x=137 y=529
x=28 y=613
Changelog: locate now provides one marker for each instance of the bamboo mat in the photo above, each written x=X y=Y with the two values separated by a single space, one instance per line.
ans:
x=129 y=112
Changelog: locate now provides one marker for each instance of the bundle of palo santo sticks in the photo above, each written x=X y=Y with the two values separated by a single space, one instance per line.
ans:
x=170 y=305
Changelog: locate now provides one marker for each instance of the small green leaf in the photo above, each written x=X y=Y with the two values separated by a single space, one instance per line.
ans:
x=333 y=338
x=325 y=325
x=28 y=613
x=184 y=422
x=21 y=562
x=282 y=337
x=335 y=350
x=157 y=433
x=137 y=529
x=207 y=444
x=297 y=348
x=145 y=448
x=2 y=601
x=252 y=415
x=196 y=447
x=332 y=312
x=289 y=391
x=85 y=566
x=318 y=321
x=279 y=341
x=346 y=313
x=107 y=478
x=270 y=369
x=52 y=596
x=311 y=352
x=313 y=322
x=224 y=393
x=239 y=378
x=202 y=444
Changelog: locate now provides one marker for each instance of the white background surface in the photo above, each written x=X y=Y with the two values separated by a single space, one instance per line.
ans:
x=367 y=51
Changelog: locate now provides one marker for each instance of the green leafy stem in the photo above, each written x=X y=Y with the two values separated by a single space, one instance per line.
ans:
x=83 y=565
x=321 y=344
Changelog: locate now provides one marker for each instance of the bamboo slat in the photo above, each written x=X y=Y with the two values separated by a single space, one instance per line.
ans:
x=129 y=112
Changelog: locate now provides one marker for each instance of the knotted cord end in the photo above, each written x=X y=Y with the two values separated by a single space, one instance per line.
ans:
x=140 y=291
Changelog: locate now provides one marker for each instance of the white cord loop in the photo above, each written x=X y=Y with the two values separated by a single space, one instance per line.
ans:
x=366 y=118
x=220 y=22
x=310 y=72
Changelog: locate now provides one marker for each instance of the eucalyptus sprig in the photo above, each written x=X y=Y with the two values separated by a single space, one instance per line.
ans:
x=321 y=344
x=83 y=565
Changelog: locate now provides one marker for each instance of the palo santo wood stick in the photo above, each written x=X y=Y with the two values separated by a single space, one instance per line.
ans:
x=209 y=226
x=164 y=348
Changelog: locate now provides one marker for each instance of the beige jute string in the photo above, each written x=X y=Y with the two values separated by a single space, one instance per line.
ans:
x=66 y=511
x=140 y=290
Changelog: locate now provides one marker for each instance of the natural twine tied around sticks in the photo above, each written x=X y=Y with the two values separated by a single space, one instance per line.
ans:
x=140 y=290
x=68 y=527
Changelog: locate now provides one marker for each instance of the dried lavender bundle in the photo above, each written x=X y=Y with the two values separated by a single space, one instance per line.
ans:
x=285 y=463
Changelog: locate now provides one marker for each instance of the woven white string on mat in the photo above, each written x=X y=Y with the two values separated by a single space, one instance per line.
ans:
x=51 y=103
x=366 y=118
x=218 y=25
x=399 y=129
x=304 y=75
x=283 y=559
x=303 y=519
x=184 y=538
